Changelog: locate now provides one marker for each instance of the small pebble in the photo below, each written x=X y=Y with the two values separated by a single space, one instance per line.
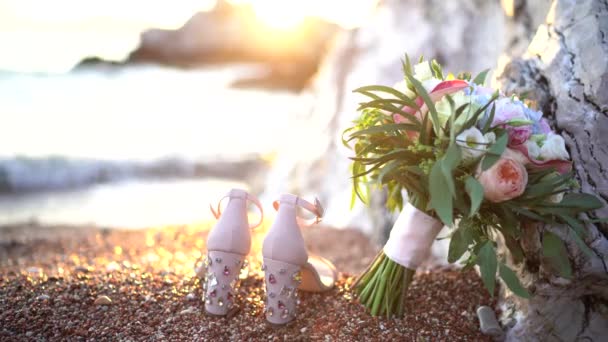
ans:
x=191 y=297
x=81 y=269
x=33 y=270
x=487 y=321
x=188 y=311
x=43 y=297
x=103 y=300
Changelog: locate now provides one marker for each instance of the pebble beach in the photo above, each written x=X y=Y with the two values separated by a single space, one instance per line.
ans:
x=87 y=283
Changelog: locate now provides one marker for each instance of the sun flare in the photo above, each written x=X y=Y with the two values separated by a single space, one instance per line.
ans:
x=286 y=14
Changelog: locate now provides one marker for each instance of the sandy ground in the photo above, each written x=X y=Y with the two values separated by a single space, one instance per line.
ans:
x=79 y=283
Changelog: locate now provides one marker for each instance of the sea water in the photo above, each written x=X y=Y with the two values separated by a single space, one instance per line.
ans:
x=118 y=146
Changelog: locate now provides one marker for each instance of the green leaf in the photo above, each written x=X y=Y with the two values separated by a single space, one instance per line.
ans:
x=512 y=281
x=486 y=259
x=509 y=222
x=475 y=191
x=555 y=251
x=488 y=124
x=459 y=242
x=388 y=168
x=585 y=202
x=451 y=159
x=407 y=66
x=578 y=233
x=388 y=128
x=464 y=76
x=427 y=100
x=473 y=119
x=514 y=247
x=440 y=201
x=383 y=89
x=436 y=69
x=388 y=105
x=494 y=152
x=480 y=79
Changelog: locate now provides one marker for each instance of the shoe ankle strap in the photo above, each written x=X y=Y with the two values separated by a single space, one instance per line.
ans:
x=242 y=194
x=294 y=200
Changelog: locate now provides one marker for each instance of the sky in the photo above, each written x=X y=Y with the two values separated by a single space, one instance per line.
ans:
x=54 y=35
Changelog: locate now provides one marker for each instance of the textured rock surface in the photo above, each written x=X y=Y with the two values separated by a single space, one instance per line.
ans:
x=566 y=69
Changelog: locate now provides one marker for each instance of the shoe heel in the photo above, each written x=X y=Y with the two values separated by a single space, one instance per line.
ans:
x=282 y=280
x=221 y=281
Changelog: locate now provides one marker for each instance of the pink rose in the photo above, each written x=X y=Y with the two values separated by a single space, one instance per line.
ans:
x=511 y=116
x=505 y=180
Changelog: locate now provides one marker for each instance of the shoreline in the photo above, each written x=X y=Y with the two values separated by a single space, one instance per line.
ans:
x=51 y=279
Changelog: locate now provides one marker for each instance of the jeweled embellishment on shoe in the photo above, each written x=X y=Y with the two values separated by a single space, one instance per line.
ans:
x=270 y=311
x=297 y=277
x=212 y=279
x=285 y=314
x=208 y=301
x=286 y=291
x=281 y=305
x=272 y=279
x=226 y=271
x=220 y=302
x=213 y=293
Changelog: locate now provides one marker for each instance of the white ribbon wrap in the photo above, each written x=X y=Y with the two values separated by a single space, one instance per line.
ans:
x=411 y=237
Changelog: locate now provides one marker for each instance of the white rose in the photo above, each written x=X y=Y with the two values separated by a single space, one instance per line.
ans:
x=422 y=71
x=473 y=143
x=554 y=148
x=533 y=149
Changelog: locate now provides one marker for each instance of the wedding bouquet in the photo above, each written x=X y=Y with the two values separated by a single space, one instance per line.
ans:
x=469 y=158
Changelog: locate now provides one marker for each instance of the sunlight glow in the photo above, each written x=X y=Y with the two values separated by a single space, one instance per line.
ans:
x=53 y=36
x=286 y=14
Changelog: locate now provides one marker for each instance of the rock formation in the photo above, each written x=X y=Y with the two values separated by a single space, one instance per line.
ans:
x=556 y=51
x=566 y=69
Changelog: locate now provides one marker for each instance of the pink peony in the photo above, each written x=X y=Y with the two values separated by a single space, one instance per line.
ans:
x=505 y=180
x=509 y=111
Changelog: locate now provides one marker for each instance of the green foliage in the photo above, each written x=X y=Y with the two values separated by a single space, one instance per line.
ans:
x=460 y=241
x=423 y=157
x=475 y=191
x=480 y=79
x=486 y=259
x=495 y=151
x=513 y=283
x=555 y=251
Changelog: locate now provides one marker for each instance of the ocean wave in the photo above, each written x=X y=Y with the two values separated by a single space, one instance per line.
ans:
x=24 y=174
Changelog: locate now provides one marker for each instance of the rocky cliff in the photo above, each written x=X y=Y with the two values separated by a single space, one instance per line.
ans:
x=557 y=51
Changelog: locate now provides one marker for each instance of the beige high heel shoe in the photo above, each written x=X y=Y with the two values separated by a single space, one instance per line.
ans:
x=287 y=265
x=228 y=245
